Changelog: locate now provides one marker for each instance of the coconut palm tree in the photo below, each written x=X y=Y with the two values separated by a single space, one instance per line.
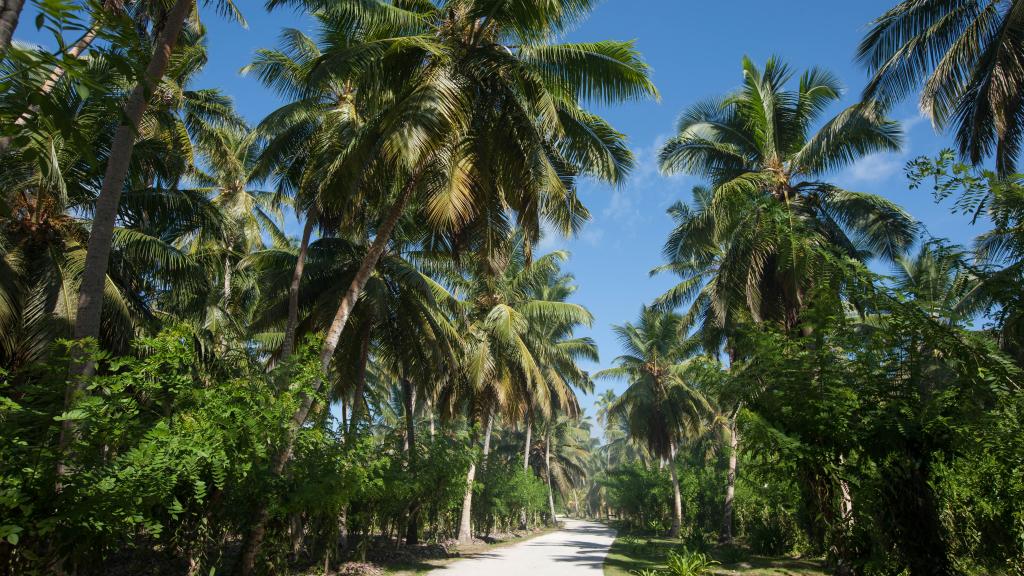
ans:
x=661 y=408
x=521 y=355
x=964 y=58
x=476 y=116
x=167 y=28
x=305 y=139
x=770 y=228
x=50 y=182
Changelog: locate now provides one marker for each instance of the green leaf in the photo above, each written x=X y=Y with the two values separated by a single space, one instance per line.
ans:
x=76 y=414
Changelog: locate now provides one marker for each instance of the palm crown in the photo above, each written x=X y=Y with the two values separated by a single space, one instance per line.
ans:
x=769 y=223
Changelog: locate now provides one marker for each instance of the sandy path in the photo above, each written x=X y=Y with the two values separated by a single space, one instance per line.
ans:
x=578 y=549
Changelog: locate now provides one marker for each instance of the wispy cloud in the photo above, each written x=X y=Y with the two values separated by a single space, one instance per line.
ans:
x=883 y=165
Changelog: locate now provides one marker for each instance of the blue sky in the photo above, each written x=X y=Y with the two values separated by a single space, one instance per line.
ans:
x=694 y=48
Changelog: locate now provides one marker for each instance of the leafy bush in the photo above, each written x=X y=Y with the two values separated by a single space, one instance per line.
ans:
x=688 y=563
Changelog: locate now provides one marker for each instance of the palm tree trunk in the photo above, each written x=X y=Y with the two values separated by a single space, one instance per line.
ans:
x=466 y=518
x=523 y=519
x=226 y=290
x=730 y=481
x=677 y=498
x=358 y=402
x=10 y=12
x=529 y=439
x=547 y=467
x=90 y=294
x=97 y=257
x=293 y=292
x=409 y=397
x=254 y=539
x=487 y=439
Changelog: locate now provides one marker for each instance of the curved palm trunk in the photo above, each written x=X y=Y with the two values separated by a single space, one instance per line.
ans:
x=97 y=257
x=547 y=466
x=90 y=295
x=466 y=518
x=677 y=498
x=523 y=519
x=730 y=481
x=293 y=292
x=254 y=539
x=10 y=12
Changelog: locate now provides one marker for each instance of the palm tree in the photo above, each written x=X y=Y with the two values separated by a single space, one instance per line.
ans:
x=305 y=140
x=475 y=116
x=97 y=259
x=10 y=12
x=660 y=407
x=520 y=355
x=964 y=57
x=231 y=154
x=567 y=444
x=769 y=228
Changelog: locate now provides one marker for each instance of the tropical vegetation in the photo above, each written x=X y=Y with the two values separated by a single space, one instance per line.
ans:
x=336 y=333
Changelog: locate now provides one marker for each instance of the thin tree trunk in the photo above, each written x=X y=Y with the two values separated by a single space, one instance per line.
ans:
x=466 y=518
x=547 y=467
x=523 y=519
x=430 y=414
x=358 y=401
x=10 y=12
x=254 y=539
x=226 y=290
x=487 y=439
x=529 y=439
x=97 y=257
x=76 y=50
x=293 y=291
x=409 y=394
x=730 y=481
x=677 y=498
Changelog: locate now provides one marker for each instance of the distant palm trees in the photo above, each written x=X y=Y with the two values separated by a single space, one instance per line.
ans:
x=661 y=408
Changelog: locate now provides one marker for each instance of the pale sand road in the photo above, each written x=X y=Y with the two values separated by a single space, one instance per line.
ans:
x=577 y=550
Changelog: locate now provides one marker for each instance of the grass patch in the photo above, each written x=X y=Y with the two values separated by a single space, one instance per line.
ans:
x=631 y=553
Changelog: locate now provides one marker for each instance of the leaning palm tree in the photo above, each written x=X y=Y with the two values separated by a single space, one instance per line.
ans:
x=964 y=57
x=661 y=408
x=474 y=118
x=167 y=26
x=770 y=230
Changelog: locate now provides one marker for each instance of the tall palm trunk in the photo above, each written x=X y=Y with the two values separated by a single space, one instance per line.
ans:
x=409 y=397
x=677 y=498
x=254 y=538
x=523 y=518
x=97 y=257
x=466 y=518
x=226 y=290
x=358 y=402
x=10 y=12
x=730 y=480
x=293 y=291
x=547 y=467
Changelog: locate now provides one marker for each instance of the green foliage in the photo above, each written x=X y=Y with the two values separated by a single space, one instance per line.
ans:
x=688 y=563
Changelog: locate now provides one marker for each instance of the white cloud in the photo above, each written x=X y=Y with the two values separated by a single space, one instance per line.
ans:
x=883 y=165
x=875 y=167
